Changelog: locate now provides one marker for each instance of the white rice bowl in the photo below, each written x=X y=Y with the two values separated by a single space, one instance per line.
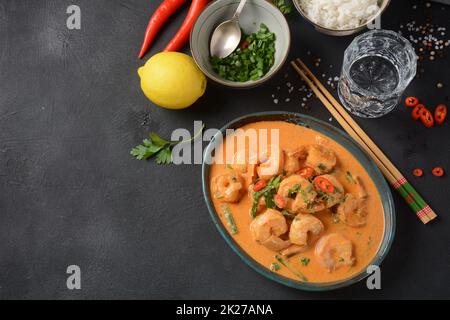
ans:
x=340 y=14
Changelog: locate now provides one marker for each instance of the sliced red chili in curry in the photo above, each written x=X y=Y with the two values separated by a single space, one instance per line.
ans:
x=259 y=185
x=324 y=184
x=306 y=172
x=440 y=113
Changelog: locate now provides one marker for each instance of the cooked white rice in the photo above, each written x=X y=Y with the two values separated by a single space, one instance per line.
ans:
x=340 y=14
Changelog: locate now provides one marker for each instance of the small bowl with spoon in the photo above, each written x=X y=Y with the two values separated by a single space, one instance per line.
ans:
x=232 y=18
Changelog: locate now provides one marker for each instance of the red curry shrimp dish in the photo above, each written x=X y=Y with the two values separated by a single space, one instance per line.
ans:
x=304 y=208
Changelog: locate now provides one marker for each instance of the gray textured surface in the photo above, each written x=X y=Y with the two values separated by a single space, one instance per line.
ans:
x=71 y=109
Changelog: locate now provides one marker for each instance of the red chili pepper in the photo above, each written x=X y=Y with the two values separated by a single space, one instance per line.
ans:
x=418 y=172
x=244 y=44
x=411 y=102
x=306 y=172
x=159 y=17
x=415 y=114
x=438 y=171
x=259 y=185
x=182 y=36
x=440 y=113
x=279 y=201
x=426 y=117
x=324 y=184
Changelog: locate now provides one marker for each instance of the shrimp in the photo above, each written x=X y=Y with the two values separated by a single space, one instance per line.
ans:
x=242 y=160
x=292 y=160
x=321 y=159
x=271 y=162
x=333 y=251
x=331 y=197
x=267 y=228
x=352 y=211
x=298 y=194
x=303 y=231
x=228 y=187
x=304 y=227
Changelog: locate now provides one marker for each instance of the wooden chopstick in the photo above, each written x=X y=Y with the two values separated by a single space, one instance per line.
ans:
x=399 y=182
x=392 y=174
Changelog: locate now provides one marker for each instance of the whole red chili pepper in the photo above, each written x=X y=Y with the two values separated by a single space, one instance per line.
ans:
x=182 y=36
x=164 y=11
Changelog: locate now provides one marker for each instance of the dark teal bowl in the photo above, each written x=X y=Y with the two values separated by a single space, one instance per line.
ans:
x=347 y=142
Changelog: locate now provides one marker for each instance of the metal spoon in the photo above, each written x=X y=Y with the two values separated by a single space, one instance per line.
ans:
x=227 y=35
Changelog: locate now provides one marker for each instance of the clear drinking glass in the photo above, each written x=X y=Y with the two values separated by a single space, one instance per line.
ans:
x=378 y=66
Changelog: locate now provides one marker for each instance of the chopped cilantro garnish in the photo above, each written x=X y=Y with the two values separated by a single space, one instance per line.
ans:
x=275 y=267
x=305 y=261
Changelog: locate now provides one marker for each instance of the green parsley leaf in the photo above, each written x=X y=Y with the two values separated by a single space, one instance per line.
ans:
x=144 y=151
x=164 y=156
x=157 y=140
x=158 y=147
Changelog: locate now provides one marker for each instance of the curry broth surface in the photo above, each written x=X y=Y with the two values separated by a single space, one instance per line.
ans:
x=366 y=240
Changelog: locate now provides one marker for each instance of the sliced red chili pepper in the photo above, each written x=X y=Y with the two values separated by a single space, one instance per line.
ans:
x=415 y=114
x=411 y=102
x=438 y=171
x=279 y=201
x=259 y=185
x=324 y=184
x=306 y=172
x=182 y=36
x=426 y=117
x=159 y=17
x=440 y=113
x=418 y=172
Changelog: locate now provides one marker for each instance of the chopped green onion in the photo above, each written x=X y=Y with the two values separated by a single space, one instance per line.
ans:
x=230 y=220
x=274 y=267
x=251 y=60
x=305 y=261
x=349 y=177
x=288 y=215
x=286 y=263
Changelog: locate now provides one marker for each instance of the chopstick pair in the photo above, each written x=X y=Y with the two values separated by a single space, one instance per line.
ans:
x=392 y=174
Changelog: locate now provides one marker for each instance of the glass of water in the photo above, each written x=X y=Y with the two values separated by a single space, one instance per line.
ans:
x=378 y=66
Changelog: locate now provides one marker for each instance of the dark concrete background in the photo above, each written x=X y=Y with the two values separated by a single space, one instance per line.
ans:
x=70 y=110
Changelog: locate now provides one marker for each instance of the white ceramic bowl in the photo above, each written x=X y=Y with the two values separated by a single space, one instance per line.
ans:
x=255 y=12
x=341 y=32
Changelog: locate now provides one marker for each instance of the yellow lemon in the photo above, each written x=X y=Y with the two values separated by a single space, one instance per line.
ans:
x=172 y=80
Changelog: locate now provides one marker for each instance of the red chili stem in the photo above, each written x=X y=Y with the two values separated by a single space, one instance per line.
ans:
x=182 y=36
x=158 y=19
